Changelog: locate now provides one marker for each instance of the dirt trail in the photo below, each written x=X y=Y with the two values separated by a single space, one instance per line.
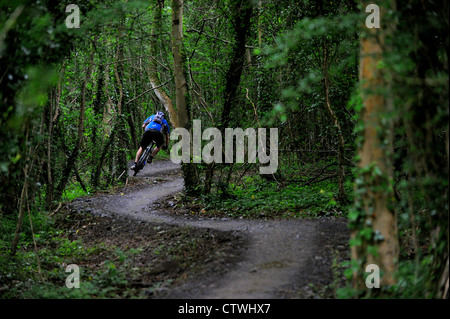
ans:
x=282 y=259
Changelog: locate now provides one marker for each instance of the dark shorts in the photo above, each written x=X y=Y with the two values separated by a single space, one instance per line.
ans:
x=152 y=135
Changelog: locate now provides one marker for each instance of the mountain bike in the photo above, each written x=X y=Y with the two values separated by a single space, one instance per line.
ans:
x=143 y=159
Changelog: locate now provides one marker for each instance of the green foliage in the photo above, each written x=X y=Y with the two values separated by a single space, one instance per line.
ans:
x=70 y=151
x=258 y=198
x=72 y=192
x=303 y=48
x=41 y=273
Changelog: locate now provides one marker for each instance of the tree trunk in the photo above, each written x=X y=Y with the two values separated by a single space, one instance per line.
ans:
x=121 y=118
x=155 y=82
x=374 y=190
x=49 y=191
x=243 y=11
x=98 y=113
x=98 y=169
x=23 y=196
x=342 y=198
x=67 y=171
x=178 y=64
x=181 y=91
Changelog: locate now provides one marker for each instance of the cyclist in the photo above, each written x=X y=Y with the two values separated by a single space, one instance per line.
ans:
x=155 y=127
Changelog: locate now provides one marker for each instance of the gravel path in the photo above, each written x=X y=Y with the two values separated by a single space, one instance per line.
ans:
x=283 y=258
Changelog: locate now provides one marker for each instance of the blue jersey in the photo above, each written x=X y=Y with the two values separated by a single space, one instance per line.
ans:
x=153 y=125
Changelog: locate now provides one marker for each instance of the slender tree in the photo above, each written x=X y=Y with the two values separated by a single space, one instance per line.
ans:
x=375 y=237
x=181 y=90
x=70 y=163
x=153 y=76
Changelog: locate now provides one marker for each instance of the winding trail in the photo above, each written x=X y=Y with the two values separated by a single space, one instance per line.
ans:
x=282 y=259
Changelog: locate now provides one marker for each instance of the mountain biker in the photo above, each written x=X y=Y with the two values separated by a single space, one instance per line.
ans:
x=155 y=127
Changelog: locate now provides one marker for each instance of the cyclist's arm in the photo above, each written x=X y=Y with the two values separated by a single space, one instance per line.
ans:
x=168 y=132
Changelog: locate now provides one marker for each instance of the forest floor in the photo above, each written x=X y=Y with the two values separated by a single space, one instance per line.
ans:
x=174 y=253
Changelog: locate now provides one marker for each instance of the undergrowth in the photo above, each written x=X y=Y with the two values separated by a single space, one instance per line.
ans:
x=38 y=269
x=259 y=198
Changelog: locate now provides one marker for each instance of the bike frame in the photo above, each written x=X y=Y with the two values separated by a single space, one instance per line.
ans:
x=143 y=159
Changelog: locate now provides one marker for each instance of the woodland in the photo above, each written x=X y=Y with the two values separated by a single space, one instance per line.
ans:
x=362 y=117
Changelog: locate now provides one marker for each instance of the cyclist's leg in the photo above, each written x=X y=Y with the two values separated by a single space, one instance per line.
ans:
x=158 y=139
x=155 y=151
x=150 y=156
x=139 y=153
x=145 y=141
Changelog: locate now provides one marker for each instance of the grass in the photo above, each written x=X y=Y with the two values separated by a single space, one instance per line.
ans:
x=258 y=198
x=72 y=192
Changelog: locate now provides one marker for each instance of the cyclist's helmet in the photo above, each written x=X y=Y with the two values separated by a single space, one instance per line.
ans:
x=159 y=117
